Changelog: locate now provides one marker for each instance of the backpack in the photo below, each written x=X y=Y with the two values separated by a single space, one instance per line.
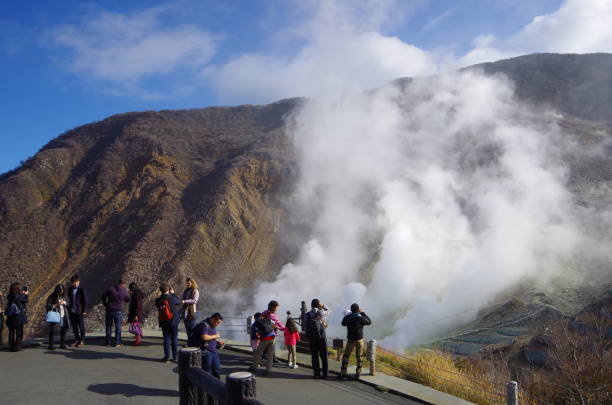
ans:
x=165 y=312
x=315 y=328
x=13 y=309
x=195 y=336
x=264 y=326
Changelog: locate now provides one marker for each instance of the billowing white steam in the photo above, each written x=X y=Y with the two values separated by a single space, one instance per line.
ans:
x=423 y=203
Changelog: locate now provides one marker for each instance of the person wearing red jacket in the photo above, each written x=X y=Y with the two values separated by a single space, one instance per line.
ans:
x=292 y=336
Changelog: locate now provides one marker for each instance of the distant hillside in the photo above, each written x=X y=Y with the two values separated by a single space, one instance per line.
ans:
x=574 y=85
x=150 y=197
x=155 y=196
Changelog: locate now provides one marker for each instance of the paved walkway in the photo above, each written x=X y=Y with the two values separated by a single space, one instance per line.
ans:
x=96 y=374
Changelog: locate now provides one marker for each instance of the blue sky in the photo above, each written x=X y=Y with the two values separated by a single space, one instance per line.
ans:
x=67 y=63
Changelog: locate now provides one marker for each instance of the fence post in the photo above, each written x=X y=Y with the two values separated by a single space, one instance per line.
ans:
x=512 y=393
x=238 y=387
x=371 y=354
x=249 y=324
x=188 y=357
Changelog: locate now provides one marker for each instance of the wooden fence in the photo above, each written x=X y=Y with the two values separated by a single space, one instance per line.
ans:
x=197 y=387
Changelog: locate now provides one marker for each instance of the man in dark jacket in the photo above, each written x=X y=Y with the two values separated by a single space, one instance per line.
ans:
x=354 y=322
x=77 y=307
x=168 y=307
x=315 y=322
x=114 y=299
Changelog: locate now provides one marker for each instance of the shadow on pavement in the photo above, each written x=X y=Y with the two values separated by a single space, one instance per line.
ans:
x=232 y=363
x=130 y=390
x=81 y=354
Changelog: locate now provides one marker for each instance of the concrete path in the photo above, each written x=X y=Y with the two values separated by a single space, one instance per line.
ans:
x=96 y=374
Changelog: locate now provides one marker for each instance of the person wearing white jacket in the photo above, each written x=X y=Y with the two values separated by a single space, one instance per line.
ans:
x=191 y=295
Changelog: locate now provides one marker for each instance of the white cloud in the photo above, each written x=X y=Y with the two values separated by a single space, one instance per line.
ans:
x=122 y=50
x=578 y=26
x=344 y=43
x=343 y=46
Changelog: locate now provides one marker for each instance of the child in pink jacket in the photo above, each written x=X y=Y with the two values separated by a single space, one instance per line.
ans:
x=292 y=336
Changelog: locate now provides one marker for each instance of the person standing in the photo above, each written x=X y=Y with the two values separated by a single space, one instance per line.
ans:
x=1 y=319
x=114 y=299
x=354 y=322
x=191 y=295
x=267 y=327
x=168 y=307
x=57 y=302
x=315 y=321
x=211 y=344
x=77 y=307
x=292 y=336
x=16 y=315
x=135 y=312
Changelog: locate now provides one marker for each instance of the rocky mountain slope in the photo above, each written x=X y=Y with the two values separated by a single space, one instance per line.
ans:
x=154 y=196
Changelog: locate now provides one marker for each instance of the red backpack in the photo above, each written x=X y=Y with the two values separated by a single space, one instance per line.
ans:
x=165 y=313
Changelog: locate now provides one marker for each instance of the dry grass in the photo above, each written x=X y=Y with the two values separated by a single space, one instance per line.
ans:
x=440 y=371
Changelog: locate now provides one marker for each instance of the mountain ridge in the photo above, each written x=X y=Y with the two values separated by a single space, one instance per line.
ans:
x=162 y=195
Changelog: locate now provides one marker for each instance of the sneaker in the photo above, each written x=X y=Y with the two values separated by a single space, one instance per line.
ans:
x=290 y=365
x=80 y=344
x=295 y=366
x=119 y=345
x=165 y=360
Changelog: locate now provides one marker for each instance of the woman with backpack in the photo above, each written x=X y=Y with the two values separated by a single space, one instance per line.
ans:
x=191 y=296
x=16 y=301
x=56 y=302
x=135 y=312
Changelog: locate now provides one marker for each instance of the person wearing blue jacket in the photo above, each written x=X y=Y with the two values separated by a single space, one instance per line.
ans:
x=168 y=306
x=16 y=315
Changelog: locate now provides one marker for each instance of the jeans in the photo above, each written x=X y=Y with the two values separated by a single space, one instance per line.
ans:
x=1 y=329
x=113 y=316
x=318 y=348
x=189 y=325
x=170 y=333
x=63 y=329
x=15 y=337
x=78 y=327
x=211 y=363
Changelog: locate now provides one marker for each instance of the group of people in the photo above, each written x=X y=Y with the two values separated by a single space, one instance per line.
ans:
x=68 y=309
x=267 y=325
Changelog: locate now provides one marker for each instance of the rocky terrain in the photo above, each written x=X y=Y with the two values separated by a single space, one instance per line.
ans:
x=152 y=196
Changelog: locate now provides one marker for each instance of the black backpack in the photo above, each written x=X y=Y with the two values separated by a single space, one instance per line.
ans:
x=195 y=336
x=315 y=328
x=264 y=326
